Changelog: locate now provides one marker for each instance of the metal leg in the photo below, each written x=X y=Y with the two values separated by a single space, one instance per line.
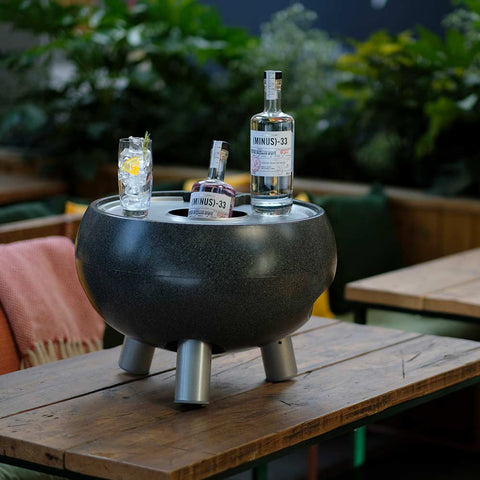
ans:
x=359 y=446
x=359 y=434
x=136 y=357
x=360 y=314
x=280 y=364
x=279 y=360
x=260 y=472
x=194 y=360
x=312 y=462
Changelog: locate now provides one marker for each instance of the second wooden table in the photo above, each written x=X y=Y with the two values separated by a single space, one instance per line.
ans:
x=448 y=286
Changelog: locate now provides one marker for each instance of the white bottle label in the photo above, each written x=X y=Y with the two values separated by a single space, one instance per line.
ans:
x=209 y=205
x=271 y=153
x=272 y=86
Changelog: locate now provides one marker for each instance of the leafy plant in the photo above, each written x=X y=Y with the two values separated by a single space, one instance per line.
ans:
x=161 y=66
x=399 y=109
x=307 y=58
x=172 y=68
x=421 y=93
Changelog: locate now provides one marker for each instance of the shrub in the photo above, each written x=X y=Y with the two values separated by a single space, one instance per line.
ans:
x=161 y=66
x=415 y=103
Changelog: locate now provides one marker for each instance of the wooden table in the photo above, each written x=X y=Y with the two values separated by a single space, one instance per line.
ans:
x=65 y=224
x=84 y=415
x=448 y=286
x=21 y=188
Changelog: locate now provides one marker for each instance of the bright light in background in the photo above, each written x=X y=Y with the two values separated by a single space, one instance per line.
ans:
x=378 y=4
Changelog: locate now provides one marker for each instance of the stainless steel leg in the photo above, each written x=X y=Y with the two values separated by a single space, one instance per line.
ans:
x=136 y=357
x=194 y=360
x=279 y=360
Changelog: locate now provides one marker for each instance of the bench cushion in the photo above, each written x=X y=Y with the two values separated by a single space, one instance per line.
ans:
x=366 y=239
x=23 y=211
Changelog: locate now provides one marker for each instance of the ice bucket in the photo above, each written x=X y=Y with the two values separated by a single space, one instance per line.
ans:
x=201 y=287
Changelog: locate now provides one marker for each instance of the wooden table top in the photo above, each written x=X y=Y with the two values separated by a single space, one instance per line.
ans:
x=21 y=188
x=84 y=415
x=448 y=285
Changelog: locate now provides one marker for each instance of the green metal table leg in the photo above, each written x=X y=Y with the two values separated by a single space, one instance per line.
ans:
x=260 y=472
x=359 y=446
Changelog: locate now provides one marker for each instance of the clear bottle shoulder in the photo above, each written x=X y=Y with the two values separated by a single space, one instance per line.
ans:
x=213 y=186
x=272 y=120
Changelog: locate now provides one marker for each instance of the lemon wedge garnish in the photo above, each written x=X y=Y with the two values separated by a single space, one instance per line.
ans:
x=132 y=165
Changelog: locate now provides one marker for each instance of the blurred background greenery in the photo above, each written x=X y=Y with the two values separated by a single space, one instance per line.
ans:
x=397 y=109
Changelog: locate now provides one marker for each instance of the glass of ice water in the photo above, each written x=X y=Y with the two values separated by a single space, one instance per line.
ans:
x=135 y=177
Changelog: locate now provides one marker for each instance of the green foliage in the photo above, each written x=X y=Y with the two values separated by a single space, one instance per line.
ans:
x=307 y=57
x=161 y=66
x=422 y=91
x=400 y=109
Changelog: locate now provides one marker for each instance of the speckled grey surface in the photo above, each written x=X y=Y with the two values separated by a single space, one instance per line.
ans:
x=234 y=283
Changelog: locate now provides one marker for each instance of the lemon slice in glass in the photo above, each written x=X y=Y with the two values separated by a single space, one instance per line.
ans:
x=131 y=166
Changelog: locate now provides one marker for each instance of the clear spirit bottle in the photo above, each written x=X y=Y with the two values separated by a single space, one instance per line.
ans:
x=272 y=152
x=213 y=198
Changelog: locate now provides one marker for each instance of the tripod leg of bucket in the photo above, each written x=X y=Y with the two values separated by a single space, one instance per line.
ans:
x=279 y=360
x=136 y=357
x=194 y=361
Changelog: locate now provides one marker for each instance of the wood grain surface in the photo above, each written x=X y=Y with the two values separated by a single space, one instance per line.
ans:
x=449 y=285
x=65 y=224
x=94 y=420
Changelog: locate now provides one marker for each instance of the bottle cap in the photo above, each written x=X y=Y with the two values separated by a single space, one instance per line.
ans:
x=278 y=74
x=220 y=149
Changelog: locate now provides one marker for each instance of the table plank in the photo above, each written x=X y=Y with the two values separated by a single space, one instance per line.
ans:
x=255 y=423
x=46 y=384
x=462 y=299
x=42 y=435
x=65 y=224
x=408 y=287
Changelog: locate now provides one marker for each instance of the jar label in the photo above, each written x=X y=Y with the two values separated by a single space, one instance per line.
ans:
x=271 y=153
x=209 y=205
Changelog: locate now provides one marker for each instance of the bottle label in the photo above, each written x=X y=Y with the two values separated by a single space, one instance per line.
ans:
x=209 y=205
x=271 y=153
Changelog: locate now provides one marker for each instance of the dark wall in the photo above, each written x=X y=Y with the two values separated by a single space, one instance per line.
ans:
x=346 y=18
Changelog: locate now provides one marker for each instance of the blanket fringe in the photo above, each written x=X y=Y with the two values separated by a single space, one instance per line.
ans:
x=50 y=351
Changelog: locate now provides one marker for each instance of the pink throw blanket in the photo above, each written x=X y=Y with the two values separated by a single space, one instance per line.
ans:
x=49 y=313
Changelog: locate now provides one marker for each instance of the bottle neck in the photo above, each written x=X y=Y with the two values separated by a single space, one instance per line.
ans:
x=217 y=172
x=218 y=160
x=273 y=100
